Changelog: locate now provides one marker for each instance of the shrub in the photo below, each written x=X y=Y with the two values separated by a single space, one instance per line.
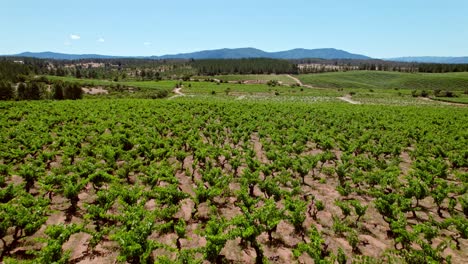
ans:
x=272 y=83
x=72 y=91
x=156 y=94
x=58 y=91
x=6 y=91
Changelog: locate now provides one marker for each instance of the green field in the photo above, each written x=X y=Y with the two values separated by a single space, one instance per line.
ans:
x=167 y=85
x=210 y=90
x=201 y=87
x=256 y=77
x=388 y=80
x=461 y=100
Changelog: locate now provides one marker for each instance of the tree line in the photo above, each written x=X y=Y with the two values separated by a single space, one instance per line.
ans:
x=37 y=90
x=243 y=66
x=14 y=69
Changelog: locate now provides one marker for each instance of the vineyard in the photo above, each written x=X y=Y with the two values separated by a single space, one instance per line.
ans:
x=388 y=80
x=191 y=181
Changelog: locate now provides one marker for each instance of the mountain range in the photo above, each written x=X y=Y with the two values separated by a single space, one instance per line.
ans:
x=213 y=54
x=248 y=53
x=431 y=59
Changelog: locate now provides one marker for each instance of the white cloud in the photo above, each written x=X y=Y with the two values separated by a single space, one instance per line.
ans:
x=67 y=43
x=100 y=40
x=74 y=37
x=146 y=43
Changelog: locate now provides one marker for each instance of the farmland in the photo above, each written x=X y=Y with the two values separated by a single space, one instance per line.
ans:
x=256 y=77
x=235 y=132
x=193 y=180
x=156 y=165
x=388 y=80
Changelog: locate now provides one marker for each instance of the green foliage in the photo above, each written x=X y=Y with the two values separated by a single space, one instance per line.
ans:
x=57 y=236
x=133 y=238
x=296 y=213
x=215 y=238
x=315 y=248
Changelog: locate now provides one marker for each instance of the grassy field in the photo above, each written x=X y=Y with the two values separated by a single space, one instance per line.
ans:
x=201 y=87
x=168 y=85
x=388 y=80
x=461 y=100
x=238 y=89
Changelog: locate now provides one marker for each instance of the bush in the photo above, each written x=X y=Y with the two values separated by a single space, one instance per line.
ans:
x=72 y=91
x=31 y=91
x=156 y=94
x=58 y=91
x=446 y=93
x=272 y=83
x=6 y=91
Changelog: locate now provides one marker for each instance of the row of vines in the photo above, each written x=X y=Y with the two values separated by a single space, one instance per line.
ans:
x=182 y=181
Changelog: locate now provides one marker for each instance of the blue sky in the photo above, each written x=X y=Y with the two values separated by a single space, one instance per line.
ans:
x=375 y=28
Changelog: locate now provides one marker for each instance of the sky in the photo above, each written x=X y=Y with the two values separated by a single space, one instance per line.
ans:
x=376 y=28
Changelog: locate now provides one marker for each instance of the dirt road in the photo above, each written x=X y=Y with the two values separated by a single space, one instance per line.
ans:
x=348 y=99
x=177 y=92
x=299 y=81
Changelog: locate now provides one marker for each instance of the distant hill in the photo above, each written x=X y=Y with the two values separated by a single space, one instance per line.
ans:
x=317 y=53
x=256 y=53
x=214 y=54
x=429 y=59
x=63 y=56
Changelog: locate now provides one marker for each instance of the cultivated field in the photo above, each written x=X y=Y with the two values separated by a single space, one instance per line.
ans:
x=208 y=179
x=388 y=80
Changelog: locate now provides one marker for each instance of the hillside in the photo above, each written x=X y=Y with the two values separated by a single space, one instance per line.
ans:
x=390 y=80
